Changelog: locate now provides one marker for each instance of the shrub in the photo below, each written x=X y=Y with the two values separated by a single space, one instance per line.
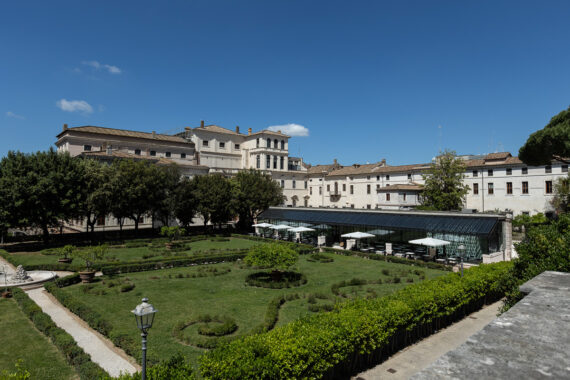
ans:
x=277 y=257
x=266 y=280
x=127 y=287
x=316 y=257
x=74 y=355
x=356 y=333
x=177 y=368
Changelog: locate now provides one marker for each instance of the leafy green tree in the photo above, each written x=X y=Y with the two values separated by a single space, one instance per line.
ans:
x=274 y=256
x=254 y=192
x=444 y=189
x=164 y=183
x=41 y=189
x=551 y=142
x=214 y=195
x=97 y=191
x=561 y=199
x=185 y=202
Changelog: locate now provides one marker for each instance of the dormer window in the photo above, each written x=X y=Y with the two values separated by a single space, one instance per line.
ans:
x=236 y=147
x=222 y=145
x=182 y=155
x=204 y=142
x=153 y=153
x=168 y=154
x=87 y=148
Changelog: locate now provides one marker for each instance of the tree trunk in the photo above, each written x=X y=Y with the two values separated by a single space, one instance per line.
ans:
x=136 y=225
x=45 y=234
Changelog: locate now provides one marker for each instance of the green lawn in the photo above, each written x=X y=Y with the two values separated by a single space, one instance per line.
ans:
x=20 y=340
x=122 y=254
x=179 y=297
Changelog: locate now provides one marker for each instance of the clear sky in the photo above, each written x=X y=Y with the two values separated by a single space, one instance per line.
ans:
x=366 y=79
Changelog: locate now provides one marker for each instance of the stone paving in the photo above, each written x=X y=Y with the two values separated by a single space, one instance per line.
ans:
x=418 y=356
x=529 y=341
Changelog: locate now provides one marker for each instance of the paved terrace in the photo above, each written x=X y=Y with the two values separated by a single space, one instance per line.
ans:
x=530 y=341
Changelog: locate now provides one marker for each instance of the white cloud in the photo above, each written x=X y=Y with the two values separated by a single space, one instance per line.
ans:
x=100 y=66
x=74 y=106
x=15 y=116
x=290 y=129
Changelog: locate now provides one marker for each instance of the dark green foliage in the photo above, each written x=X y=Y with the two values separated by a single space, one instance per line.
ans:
x=253 y=193
x=551 y=142
x=317 y=257
x=444 y=189
x=186 y=202
x=61 y=339
x=545 y=247
x=278 y=257
x=127 y=287
x=356 y=333
x=177 y=368
x=392 y=259
x=213 y=193
x=267 y=280
x=561 y=199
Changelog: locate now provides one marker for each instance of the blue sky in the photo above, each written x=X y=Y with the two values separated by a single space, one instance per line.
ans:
x=369 y=79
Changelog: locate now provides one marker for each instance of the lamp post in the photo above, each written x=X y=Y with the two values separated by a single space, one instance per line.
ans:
x=461 y=249
x=144 y=315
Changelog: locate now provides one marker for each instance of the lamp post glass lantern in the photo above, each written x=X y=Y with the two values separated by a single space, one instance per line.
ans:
x=144 y=315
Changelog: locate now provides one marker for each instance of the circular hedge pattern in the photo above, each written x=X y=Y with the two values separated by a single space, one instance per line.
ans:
x=318 y=258
x=265 y=280
x=208 y=336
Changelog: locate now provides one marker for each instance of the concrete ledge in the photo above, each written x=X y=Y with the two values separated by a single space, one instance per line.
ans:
x=530 y=341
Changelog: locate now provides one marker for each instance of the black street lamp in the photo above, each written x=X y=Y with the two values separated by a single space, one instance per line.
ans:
x=144 y=314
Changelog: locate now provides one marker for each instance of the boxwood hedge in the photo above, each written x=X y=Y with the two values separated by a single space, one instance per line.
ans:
x=357 y=333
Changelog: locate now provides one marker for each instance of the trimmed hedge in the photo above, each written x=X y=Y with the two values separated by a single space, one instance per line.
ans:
x=392 y=259
x=357 y=333
x=141 y=266
x=74 y=354
x=265 y=280
x=177 y=368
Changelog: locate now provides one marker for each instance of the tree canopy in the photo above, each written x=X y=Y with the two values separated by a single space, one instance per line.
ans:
x=551 y=142
x=214 y=196
x=253 y=193
x=444 y=189
x=278 y=257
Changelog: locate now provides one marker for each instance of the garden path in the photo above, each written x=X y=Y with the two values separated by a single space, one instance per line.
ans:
x=416 y=357
x=102 y=351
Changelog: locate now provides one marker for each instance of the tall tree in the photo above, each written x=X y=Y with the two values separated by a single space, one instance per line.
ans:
x=214 y=195
x=561 y=199
x=164 y=183
x=254 y=192
x=97 y=191
x=41 y=189
x=185 y=202
x=551 y=142
x=444 y=189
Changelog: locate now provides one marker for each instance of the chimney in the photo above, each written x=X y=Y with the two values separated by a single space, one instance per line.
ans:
x=237 y=128
x=109 y=150
x=65 y=127
x=383 y=162
x=201 y=123
x=249 y=131
x=279 y=131
x=186 y=128
x=153 y=134
x=335 y=162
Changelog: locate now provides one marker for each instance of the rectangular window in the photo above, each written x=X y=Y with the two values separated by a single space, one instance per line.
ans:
x=236 y=146
x=387 y=177
x=377 y=178
x=409 y=176
x=475 y=188
x=311 y=190
x=490 y=172
x=475 y=173
x=274 y=162
x=182 y=155
x=564 y=168
x=404 y=197
x=548 y=187
x=328 y=188
x=138 y=152
x=525 y=213
x=491 y=190
x=86 y=148
x=377 y=187
x=509 y=171
x=168 y=154
x=306 y=184
x=387 y=197
x=294 y=184
x=509 y=187
x=320 y=190
x=258 y=161
x=351 y=189
x=368 y=207
x=205 y=142
x=368 y=177
x=524 y=170
x=153 y=153
x=367 y=189
x=268 y=162
x=344 y=187
x=222 y=145
x=257 y=143
x=282 y=183
x=525 y=187
x=548 y=169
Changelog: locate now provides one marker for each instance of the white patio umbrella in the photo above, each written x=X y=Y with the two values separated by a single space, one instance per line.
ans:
x=430 y=242
x=299 y=230
x=263 y=225
x=357 y=235
x=280 y=227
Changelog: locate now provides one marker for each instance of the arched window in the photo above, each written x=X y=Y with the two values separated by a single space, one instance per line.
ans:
x=282 y=144
x=258 y=161
x=257 y=143
x=275 y=144
x=269 y=143
x=281 y=163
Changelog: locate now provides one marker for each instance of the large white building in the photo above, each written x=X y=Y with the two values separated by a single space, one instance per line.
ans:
x=497 y=181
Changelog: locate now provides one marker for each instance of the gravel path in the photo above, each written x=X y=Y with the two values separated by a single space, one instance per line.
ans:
x=101 y=350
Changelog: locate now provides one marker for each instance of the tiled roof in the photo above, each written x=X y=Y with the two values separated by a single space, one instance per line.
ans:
x=319 y=169
x=268 y=132
x=125 y=133
x=377 y=169
x=497 y=156
x=217 y=129
x=493 y=162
